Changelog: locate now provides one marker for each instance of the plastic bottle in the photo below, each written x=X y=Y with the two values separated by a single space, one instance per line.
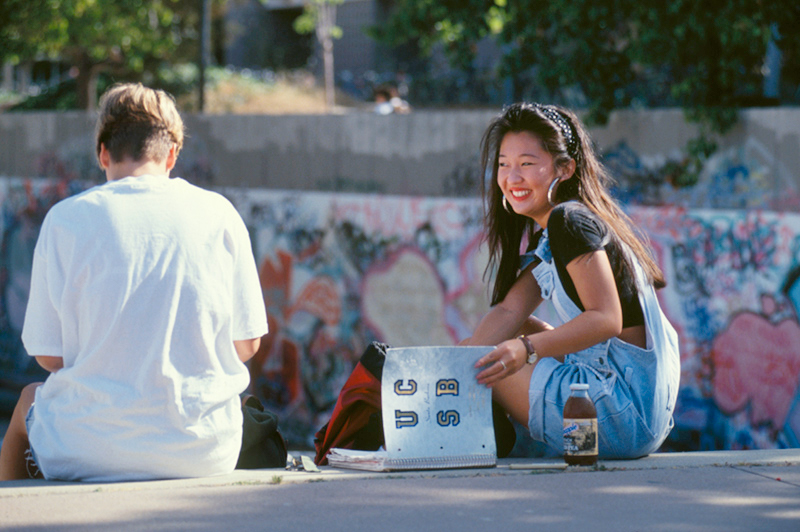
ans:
x=580 y=427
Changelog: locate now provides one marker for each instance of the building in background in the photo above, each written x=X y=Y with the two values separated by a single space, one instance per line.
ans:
x=260 y=35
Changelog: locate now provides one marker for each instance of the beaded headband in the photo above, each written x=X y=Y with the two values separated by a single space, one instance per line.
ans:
x=564 y=124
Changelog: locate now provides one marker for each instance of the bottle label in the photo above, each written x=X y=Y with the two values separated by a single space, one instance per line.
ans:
x=580 y=437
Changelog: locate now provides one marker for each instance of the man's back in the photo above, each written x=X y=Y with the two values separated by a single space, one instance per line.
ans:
x=149 y=282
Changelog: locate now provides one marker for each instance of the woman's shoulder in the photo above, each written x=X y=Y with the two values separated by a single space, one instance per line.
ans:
x=573 y=208
x=574 y=217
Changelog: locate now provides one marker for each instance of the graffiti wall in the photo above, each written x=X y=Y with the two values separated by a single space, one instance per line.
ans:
x=341 y=270
x=733 y=297
x=23 y=205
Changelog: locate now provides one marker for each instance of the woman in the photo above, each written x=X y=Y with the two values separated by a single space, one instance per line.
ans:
x=585 y=257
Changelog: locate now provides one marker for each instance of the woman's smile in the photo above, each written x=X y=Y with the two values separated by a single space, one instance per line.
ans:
x=525 y=171
x=520 y=194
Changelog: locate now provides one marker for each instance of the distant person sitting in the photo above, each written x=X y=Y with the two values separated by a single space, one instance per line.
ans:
x=144 y=304
x=388 y=101
x=382 y=104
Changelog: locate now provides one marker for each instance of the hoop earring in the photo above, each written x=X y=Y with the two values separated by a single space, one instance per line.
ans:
x=550 y=191
x=506 y=207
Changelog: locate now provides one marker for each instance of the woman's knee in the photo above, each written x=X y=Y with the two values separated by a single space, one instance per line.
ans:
x=27 y=395
x=26 y=398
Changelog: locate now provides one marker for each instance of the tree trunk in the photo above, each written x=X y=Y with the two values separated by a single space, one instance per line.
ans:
x=87 y=83
x=326 y=20
x=327 y=51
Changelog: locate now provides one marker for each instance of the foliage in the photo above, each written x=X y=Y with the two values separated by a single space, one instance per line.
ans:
x=309 y=21
x=178 y=80
x=60 y=97
x=18 y=17
x=260 y=92
x=706 y=57
x=126 y=37
x=124 y=32
x=8 y=99
x=228 y=92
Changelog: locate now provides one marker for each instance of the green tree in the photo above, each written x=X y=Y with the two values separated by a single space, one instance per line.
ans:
x=15 y=18
x=126 y=37
x=707 y=57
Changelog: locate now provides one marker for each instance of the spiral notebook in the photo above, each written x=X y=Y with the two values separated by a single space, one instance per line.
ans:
x=435 y=414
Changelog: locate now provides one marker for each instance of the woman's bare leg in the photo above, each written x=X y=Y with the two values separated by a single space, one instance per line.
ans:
x=15 y=442
x=512 y=394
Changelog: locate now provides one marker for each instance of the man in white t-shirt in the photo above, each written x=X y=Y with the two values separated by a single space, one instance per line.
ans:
x=144 y=304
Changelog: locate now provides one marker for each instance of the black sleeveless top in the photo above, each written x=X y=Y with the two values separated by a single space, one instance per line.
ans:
x=575 y=230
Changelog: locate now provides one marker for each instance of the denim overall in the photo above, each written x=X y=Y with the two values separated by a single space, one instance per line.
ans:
x=633 y=389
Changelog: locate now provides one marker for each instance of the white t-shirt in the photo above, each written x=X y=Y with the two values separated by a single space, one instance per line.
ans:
x=141 y=285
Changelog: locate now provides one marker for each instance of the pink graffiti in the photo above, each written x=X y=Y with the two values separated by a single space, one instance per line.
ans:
x=320 y=298
x=403 y=300
x=469 y=300
x=466 y=266
x=757 y=363
x=382 y=216
x=276 y=282
x=402 y=218
x=666 y=223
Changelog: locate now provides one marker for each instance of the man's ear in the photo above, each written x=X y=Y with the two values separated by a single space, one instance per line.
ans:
x=172 y=157
x=104 y=157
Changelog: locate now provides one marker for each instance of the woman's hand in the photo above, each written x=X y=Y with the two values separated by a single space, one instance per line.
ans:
x=506 y=359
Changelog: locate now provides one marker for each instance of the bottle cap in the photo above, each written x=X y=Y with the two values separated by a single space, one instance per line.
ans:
x=578 y=386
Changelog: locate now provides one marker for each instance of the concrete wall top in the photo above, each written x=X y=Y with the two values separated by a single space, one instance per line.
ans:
x=428 y=153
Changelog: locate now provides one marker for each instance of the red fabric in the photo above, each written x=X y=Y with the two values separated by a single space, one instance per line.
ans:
x=359 y=399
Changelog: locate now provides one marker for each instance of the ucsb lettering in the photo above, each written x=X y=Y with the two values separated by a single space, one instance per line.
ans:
x=444 y=418
x=443 y=387
x=449 y=418
x=403 y=418
x=405 y=389
x=447 y=387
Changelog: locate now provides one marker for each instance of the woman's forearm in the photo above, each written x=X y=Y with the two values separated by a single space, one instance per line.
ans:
x=508 y=357
x=585 y=330
x=497 y=325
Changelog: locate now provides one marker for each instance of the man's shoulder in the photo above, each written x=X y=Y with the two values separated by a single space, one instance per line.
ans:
x=75 y=203
x=197 y=193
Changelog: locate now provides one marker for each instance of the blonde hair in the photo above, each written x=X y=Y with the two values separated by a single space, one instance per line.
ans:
x=138 y=122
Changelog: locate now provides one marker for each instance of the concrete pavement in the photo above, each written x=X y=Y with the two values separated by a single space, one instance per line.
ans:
x=701 y=491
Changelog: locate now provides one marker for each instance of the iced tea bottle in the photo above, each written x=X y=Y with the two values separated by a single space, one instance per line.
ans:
x=580 y=427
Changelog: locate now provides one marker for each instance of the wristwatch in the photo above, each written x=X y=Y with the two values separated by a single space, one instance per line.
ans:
x=532 y=356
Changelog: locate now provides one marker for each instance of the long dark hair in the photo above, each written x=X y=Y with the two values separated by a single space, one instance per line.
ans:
x=564 y=137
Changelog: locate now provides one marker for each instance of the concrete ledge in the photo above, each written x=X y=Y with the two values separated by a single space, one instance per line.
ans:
x=508 y=466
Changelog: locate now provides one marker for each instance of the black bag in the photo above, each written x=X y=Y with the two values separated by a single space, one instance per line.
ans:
x=263 y=445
